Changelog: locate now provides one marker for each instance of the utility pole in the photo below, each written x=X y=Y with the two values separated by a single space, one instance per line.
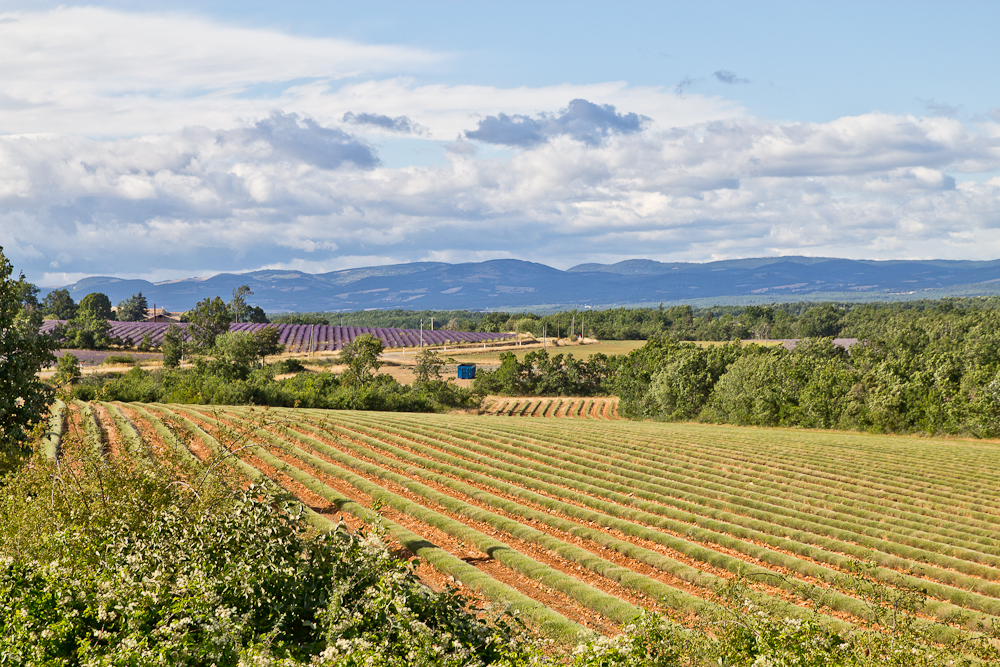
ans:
x=421 y=335
x=432 y=324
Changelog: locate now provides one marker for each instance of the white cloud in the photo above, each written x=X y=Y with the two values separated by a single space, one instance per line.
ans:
x=137 y=154
x=868 y=186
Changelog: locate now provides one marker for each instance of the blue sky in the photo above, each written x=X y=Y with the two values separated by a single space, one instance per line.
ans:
x=223 y=136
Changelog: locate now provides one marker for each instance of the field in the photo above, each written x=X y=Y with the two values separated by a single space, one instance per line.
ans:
x=580 y=522
x=608 y=347
x=299 y=338
x=595 y=408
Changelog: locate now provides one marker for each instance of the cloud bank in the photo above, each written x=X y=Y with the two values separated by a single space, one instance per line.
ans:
x=176 y=165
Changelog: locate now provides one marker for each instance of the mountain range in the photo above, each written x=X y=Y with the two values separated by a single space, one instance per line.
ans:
x=510 y=284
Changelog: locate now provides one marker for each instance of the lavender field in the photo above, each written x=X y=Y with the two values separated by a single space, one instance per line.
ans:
x=306 y=337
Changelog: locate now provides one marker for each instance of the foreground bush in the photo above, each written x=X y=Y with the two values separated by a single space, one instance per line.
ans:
x=102 y=564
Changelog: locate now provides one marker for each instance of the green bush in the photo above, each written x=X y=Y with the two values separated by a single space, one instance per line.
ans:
x=105 y=563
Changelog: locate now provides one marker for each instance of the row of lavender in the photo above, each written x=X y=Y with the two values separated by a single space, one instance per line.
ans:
x=303 y=337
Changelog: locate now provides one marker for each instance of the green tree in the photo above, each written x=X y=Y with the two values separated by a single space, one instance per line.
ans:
x=98 y=304
x=266 y=342
x=235 y=354
x=59 y=304
x=820 y=321
x=67 y=368
x=87 y=331
x=24 y=399
x=172 y=346
x=133 y=309
x=428 y=367
x=362 y=358
x=238 y=307
x=256 y=315
x=209 y=320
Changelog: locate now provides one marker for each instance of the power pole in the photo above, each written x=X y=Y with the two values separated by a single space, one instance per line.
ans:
x=421 y=335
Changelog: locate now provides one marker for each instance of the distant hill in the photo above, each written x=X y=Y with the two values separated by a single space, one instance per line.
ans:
x=509 y=284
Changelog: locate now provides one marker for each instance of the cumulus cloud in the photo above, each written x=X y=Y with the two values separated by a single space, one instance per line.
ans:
x=725 y=76
x=290 y=137
x=581 y=120
x=286 y=191
x=400 y=124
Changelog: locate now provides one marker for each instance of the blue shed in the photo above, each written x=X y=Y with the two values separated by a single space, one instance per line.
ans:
x=466 y=371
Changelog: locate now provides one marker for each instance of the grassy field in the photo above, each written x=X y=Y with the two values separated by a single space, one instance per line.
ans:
x=608 y=347
x=580 y=522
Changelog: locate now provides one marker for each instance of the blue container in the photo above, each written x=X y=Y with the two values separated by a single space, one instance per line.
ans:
x=466 y=371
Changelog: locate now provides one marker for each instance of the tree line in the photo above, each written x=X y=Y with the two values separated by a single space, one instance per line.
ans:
x=923 y=368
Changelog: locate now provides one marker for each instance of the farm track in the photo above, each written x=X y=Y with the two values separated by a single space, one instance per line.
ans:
x=593 y=519
x=580 y=408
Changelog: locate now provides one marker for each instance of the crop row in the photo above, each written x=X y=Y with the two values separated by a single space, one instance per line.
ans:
x=597 y=408
x=306 y=337
x=727 y=532
x=682 y=508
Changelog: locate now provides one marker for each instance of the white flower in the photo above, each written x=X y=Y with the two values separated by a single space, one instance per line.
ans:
x=19 y=402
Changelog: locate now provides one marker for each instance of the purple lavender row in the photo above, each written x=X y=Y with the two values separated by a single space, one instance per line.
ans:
x=296 y=336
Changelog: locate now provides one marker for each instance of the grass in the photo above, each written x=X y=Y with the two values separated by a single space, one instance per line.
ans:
x=608 y=347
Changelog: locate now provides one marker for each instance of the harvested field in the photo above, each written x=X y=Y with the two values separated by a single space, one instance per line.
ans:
x=582 y=522
x=561 y=406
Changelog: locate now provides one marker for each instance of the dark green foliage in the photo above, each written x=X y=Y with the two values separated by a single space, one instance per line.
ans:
x=299 y=318
x=542 y=375
x=209 y=320
x=228 y=381
x=24 y=399
x=172 y=346
x=428 y=368
x=99 y=305
x=86 y=331
x=59 y=304
x=362 y=358
x=256 y=315
x=133 y=309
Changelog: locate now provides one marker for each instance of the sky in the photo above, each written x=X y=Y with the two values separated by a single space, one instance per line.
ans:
x=144 y=142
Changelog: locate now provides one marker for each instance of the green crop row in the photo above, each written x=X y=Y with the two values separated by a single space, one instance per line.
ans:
x=677 y=599
x=725 y=506
x=54 y=433
x=840 y=482
x=92 y=432
x=127 y=430
x=607 y=605
x=574 y=469
x=548 y=621
x=668 y=519
x=824 y=497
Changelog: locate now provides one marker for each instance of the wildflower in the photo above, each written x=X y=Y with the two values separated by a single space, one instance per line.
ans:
x=19 y=402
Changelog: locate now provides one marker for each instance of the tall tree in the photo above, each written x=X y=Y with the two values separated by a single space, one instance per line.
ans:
x=209 y=320
x=24 y=399
x=59 y=304
x=97 y=304
x=362 y=358
x=172 y=346
x=238 y=306
x=133 y=309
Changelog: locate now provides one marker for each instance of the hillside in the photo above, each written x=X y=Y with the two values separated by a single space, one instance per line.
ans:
x=510 y=284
